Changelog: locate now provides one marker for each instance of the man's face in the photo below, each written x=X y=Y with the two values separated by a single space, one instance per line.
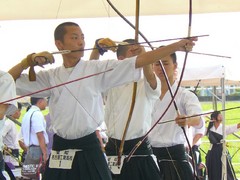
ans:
x=169 y=67
x=43 y=103
x=17 y=114
x=219 y=118
x=73 y=40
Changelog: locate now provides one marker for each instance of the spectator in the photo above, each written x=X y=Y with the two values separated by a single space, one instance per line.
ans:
x=214 y=155
x=34 y=129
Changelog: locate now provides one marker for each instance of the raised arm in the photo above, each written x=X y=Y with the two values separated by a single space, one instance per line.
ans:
x=152 y=56
x=16 y=71
x=101 y=46
x=150 y=76
x=95 y=53
x=7 y=92
x=31 y=60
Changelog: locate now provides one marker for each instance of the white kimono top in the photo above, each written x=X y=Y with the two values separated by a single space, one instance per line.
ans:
x=8 y=89
x=118 y=105
x=7 y=92
x=170 y=134
x=76 y=109
x=229 y=129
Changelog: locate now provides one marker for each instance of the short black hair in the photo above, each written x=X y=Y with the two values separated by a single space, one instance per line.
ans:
x=122 y=49
x=34 y=100
x=19 y=105
x=60 y=30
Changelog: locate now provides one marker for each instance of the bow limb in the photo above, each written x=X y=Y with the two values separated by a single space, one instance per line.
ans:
x=186 y=53
x=169 y=87
x=134 y=88
x=135 y=84
x=128 y=22
x=134 y=93
x=185 y=59
x=173 y=96
x=180 y=80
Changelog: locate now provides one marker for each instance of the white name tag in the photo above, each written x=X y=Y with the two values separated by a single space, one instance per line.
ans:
x=62 y=159
x=113 y=164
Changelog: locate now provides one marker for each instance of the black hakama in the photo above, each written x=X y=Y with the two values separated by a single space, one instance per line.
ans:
x=213 y=159
x=140 y=167
x=88 y=164
x=173 y=163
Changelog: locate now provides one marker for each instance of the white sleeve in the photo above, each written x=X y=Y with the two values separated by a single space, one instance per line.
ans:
x=8 y=88
x=152 y=93
x=231 y=129
x=2 y=122
x=5 y=129
x=122 y=72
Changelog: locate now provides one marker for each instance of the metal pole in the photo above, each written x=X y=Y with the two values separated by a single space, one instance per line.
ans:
x=224 y=152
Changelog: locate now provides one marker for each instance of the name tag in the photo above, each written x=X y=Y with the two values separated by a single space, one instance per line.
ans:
x=62 y=159
x=113 y=164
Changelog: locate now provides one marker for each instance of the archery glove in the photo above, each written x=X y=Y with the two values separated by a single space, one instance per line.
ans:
x=34 y=59
x=105 y=44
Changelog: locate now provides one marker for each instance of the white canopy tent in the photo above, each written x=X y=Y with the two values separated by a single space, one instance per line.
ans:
x=218 y=75
x=60 y=9
x=211 y=76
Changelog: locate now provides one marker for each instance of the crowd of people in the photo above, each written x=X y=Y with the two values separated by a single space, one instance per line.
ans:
x=77 y=111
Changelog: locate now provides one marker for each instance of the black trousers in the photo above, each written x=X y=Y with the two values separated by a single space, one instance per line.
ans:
x=173 y=163
x=141 y=166
x=88 y=164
